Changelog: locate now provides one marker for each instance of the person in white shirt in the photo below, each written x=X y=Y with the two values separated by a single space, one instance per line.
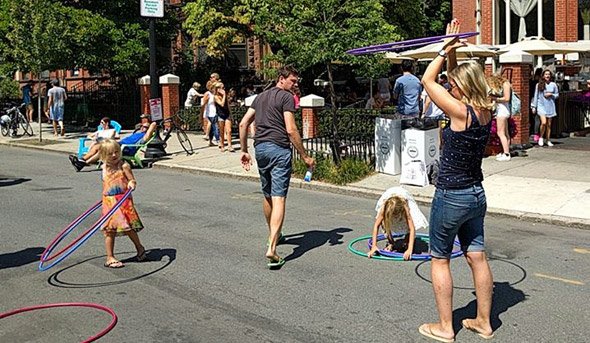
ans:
x=192 y=95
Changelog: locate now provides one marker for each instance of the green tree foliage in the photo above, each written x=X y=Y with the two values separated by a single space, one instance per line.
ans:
x=9 y=89
x=438 y=13
x=407 y=16
x=218 y=24
x=41 y=35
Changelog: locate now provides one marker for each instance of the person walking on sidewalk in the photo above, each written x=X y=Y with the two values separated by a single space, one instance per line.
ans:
x=543 y=105
x=276 y=130
x=55 y=103
x=459 y=203
x=28 y=100
x=501 y=93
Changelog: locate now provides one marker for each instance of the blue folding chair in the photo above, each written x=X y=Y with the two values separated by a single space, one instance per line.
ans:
x=83 y=148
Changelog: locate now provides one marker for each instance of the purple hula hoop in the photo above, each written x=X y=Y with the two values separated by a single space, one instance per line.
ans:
x=407 y=43
x=91 y=305
x=73 y=246
x=382 y=252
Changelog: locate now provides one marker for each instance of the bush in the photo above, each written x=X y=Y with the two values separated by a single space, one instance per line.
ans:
x=9 y=89
x=349 y=170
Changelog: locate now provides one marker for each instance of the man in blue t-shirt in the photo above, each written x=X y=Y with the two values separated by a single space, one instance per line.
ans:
x=28 y=100
x=407 y=91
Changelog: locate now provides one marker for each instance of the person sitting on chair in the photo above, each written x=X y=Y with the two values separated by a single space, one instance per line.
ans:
x=143 y=135
x=106 y=132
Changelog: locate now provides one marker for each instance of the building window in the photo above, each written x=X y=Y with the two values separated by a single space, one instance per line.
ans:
x=239 y=53
x=75 y=72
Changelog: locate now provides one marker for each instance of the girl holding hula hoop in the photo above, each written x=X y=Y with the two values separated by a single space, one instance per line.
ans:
x=396 y=207
x=117 y=177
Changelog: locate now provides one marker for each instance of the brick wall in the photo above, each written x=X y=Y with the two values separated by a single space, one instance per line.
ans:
x=310 y=122
x=566 y=20
x=170 y=99
x=486 y=22
x=144 y=94
x=464 y=10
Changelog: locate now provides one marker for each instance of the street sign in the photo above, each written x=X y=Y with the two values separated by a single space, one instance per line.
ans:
x=156 y=109
x=151 y=8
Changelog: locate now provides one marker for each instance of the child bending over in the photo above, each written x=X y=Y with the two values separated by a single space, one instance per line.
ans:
x=397 y=211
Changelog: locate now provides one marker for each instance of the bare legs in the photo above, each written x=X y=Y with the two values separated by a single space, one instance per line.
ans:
x=274 y=213
x=503 y=134
x=545 y=129
x=61 y=128
x=442 y=283
x=221 y=126
x=482 y=279
x=109 y=242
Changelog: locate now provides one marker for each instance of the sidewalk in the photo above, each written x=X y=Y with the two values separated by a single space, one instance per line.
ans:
x=550 y=185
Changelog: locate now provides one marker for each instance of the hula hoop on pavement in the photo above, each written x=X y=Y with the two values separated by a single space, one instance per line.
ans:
x=407 y=43
x=90 y=305
x=364 y=254
x=415 y=257
x=74 y=245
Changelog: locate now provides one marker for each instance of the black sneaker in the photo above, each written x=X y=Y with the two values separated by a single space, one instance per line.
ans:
x=78 y=165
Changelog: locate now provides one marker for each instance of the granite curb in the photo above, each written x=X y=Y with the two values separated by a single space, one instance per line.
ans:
x=368 y=193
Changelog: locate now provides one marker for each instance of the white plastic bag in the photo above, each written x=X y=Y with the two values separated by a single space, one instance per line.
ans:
x=414 y=173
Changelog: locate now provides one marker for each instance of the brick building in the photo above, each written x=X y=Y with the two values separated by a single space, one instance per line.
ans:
x=557 y=20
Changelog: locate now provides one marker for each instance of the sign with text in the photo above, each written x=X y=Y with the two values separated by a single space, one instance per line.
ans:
x=156 y=109
x=152 y=8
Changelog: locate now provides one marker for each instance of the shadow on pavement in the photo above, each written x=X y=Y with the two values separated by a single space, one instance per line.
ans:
x=152 y=255
x=20 y=258
x=5 y=182
x=505 y=296
x=306 y=241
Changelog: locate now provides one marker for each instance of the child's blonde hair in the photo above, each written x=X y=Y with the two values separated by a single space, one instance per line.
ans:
x=107 y=148
x=394 y=209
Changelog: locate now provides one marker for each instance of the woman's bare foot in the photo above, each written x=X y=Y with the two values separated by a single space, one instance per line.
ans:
x=141 y=256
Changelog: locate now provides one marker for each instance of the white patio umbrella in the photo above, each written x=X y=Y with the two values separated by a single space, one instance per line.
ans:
x=540 y=46
x=396 y=58
x=431 y=50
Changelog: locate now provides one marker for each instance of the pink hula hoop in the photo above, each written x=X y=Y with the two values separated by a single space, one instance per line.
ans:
x=90 y=305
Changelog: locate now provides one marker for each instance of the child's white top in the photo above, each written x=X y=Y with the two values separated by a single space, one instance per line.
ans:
x=420 y=221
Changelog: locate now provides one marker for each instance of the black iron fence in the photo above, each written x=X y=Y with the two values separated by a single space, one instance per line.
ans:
x=119 y=102
x=351 y=134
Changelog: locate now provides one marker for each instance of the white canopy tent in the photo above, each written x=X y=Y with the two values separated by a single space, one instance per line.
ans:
x=430 y=51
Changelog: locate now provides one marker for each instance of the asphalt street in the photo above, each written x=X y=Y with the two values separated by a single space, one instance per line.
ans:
x=207 y=281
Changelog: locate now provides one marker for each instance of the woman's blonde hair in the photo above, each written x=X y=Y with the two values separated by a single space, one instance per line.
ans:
x=216 y=85
x=107 y=148
x=394 y=210
x=496 y=82
x=470 y=79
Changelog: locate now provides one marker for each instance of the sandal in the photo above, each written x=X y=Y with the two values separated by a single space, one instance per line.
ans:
x=425 y=330
x=114 y=264
x=275 y=264
x=231 y=149
x=141 y=257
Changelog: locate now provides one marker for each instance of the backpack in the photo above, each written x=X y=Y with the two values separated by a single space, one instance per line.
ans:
x=514 y=103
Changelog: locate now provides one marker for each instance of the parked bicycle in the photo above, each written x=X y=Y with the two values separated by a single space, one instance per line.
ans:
x=12 y=120
x=175 y=123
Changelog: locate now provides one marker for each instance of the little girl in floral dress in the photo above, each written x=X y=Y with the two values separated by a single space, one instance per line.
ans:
x=117 y=177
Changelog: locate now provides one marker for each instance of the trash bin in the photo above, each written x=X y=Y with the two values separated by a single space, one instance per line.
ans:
x=388 y=145
x=419 y=145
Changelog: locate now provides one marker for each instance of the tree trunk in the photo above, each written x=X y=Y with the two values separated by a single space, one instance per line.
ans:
x=335 y=144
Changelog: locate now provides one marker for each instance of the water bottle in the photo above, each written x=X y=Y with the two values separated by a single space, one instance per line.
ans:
x=307 y=177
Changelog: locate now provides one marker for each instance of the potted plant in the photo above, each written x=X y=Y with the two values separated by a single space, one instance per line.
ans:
x=584 y=6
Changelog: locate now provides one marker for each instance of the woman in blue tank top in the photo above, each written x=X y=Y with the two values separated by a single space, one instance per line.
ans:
x=459 y=204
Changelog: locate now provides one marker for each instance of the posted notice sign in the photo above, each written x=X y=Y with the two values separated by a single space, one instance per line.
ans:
x=156 y=109
x=151 y=8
